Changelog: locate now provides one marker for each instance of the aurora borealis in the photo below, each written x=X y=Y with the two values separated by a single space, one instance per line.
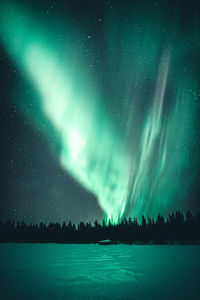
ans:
x=118 y=102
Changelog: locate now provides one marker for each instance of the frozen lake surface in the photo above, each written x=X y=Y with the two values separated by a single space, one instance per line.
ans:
x=53 y=271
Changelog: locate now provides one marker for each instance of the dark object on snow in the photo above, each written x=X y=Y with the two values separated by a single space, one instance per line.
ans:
x=105 y=242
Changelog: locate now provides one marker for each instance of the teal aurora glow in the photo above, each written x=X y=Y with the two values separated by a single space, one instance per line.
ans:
x=132 y=156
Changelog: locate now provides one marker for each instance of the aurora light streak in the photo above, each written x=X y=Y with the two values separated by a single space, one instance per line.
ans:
x=131 y=159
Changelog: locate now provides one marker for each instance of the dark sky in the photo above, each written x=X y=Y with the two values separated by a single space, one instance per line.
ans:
x=33 y=184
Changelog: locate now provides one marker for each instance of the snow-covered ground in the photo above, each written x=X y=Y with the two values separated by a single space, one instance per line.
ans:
x=53 y=271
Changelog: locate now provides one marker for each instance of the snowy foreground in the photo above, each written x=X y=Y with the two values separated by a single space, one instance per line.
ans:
x=54 y=271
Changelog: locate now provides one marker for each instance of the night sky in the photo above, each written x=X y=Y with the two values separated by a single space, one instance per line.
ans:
x=99 y=107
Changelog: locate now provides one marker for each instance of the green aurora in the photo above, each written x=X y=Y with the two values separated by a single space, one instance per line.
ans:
x=131 y=157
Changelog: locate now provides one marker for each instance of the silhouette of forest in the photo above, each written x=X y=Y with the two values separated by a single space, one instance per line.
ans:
x=176 y=228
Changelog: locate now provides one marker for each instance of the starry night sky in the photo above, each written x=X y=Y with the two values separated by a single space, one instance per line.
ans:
x=34 y=186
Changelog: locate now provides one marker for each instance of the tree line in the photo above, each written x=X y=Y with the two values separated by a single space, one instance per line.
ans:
x=175 y=228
